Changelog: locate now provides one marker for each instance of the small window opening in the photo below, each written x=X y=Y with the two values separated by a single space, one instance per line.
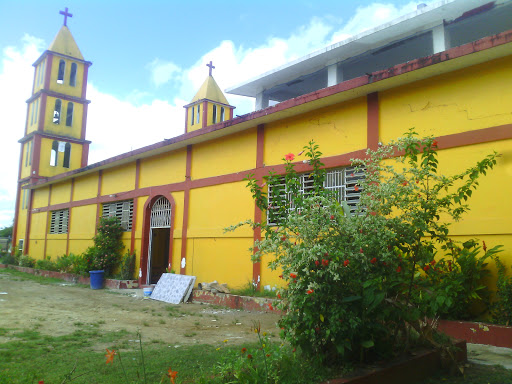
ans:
x=69 y=115
x=56 y=111
x=53 y=154
x=41 y=72
x=30 y=154
x=60 y=76
x=193 y=111
x=32 y=110
x=67 y=155
x=72 y=75
x=27 y=151
x=36 y=112
x=214 y=114
x=222 y=114
x=20 y=245
x=198 y=113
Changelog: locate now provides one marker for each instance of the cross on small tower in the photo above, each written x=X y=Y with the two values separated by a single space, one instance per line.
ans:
x=211 y=67
x=66 y=14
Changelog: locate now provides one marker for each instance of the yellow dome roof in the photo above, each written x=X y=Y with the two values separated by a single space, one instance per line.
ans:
x=65 y=43
x=211 y=91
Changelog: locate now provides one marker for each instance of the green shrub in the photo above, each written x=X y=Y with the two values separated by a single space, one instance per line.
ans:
x=359 y=285
x=127 y=267
x=65 y=263
x=46 y=264
x=26 y=261
x=7 y=258
x=81 y=264
x=501 y=308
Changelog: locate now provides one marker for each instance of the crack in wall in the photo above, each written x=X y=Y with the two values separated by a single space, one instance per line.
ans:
x=468 y=117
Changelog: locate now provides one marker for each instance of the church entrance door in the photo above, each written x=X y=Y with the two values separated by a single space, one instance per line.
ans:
x=159 y=239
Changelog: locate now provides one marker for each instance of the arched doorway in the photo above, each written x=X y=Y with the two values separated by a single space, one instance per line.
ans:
x=159 y=239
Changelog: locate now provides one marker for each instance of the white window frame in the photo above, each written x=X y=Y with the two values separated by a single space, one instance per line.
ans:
x=59 y=221
x=341 y=181
x=122 y=210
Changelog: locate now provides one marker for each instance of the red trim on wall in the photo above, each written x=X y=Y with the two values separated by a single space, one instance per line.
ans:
x=16 y=218
x=47 y=221
x=260 y=146
x=186 y=203
x=154 y=194
x=29 y=223
x=135 y=202
x=36 y=159
x=372 y=113
x=48 y=74
x=69 y=214
x=84 y=81
x=34 y=81
x=84 y=122
x=42 y=112
x=205 y=114
x=85 y=155
x=28 y=118
x=57 y=95
x=231 y=113
x=98 y=203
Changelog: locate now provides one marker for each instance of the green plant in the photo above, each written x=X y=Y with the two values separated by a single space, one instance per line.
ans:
x=105 y=254
x=46 y=264
x=127 y=266
x=26 y=261
x=65 y=263
x=359 y=284
x=501 y=308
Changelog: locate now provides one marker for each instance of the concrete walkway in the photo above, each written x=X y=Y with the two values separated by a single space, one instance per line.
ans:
x=490 y=355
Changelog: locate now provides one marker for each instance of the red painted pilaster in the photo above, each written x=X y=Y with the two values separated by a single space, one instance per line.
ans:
x=42 y=112
x=186 y=203
x=47 y=220
x=260 y=144
x=36 y=155
x=85 y=155
x=98 y=204
x=16 y=218
x=29 y=222
x=186 y=120
x=84 y=121
x=84 y=82
x=69 y=214
x=135 y=206
x=372 y=133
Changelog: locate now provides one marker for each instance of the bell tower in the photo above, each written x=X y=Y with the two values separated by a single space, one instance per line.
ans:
x=209 y=106
x=54 y=135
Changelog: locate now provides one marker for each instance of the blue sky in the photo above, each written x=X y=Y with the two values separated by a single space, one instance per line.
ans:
x=149 y=59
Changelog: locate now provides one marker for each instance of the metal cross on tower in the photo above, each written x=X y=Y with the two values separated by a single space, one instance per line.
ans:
x=66 y=14
x=211 y=67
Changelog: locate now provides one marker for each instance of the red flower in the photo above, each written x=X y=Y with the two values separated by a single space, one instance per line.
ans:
x=484 y=246
x=280 y=276
x=268 y=355
x=244 y=350
x=310 y=291
x=433 y=262
x=317 y=262
x=325 y=263
x=434 y=143
x=373 y=213
x=352 y=174
x=417 y=181
x=110 y=356
x=356 y=188
x=332 y=217
x=270 y=307
x=326 y=254
x=278 y=295
x=384 y=264
x=399 y=269
x=450 y=266
x=361 y=250
x=283 y=238
x=404 y=183
x=346 y=262
x=374 y=260
x=249 y=356
x=293 y=275
x=426 y=268
x=289 y=157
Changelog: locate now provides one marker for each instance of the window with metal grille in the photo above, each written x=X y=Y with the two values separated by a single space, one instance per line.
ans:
x=59 y=221
x=341 y=182
x=123 y=210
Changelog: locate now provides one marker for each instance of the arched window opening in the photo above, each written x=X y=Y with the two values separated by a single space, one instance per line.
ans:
x=36 y=112
x=56 y=111
x=67 y=155
x=72 y=75
x=222 y=114
x=198 y=113
x=193 y=110
x=69 y=115
x=62 y=68
x=214 y=114
x=31 y=143
x=53 y=154
x=27 y=150
x=32 y=112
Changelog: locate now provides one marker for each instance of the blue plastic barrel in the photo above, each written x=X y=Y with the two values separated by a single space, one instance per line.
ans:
x=96 y=279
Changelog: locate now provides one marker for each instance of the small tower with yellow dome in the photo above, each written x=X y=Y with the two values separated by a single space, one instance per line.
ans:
x=209 y=106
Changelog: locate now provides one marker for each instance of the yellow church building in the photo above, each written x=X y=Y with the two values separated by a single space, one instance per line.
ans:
x=445 y=70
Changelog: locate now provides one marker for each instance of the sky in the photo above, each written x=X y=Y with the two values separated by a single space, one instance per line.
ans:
x=149 y=59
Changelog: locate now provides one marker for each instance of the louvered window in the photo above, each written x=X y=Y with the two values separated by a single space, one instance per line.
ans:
x=123 y=210
x=59 y=221
x=341 y=181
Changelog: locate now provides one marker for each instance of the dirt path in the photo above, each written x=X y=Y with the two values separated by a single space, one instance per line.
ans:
x=59 y=309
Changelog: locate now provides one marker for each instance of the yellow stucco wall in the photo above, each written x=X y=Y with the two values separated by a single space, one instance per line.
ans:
x=45 y=169
x=26 y=161
x=86 y=187
x=56 y=245
x=163 y=169
x=235 y=153
x=61 y=193
x=77 y=246
x=83 y=222
x=119 y=179
x=337 y=129
x=473 y=98
x=34 y=111
x=40 y=197
x=38 y=226
x=62 y=129
x=194 y=125
x=65 y=87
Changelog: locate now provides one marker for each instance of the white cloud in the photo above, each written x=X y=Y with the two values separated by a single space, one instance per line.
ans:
x=163 y=71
